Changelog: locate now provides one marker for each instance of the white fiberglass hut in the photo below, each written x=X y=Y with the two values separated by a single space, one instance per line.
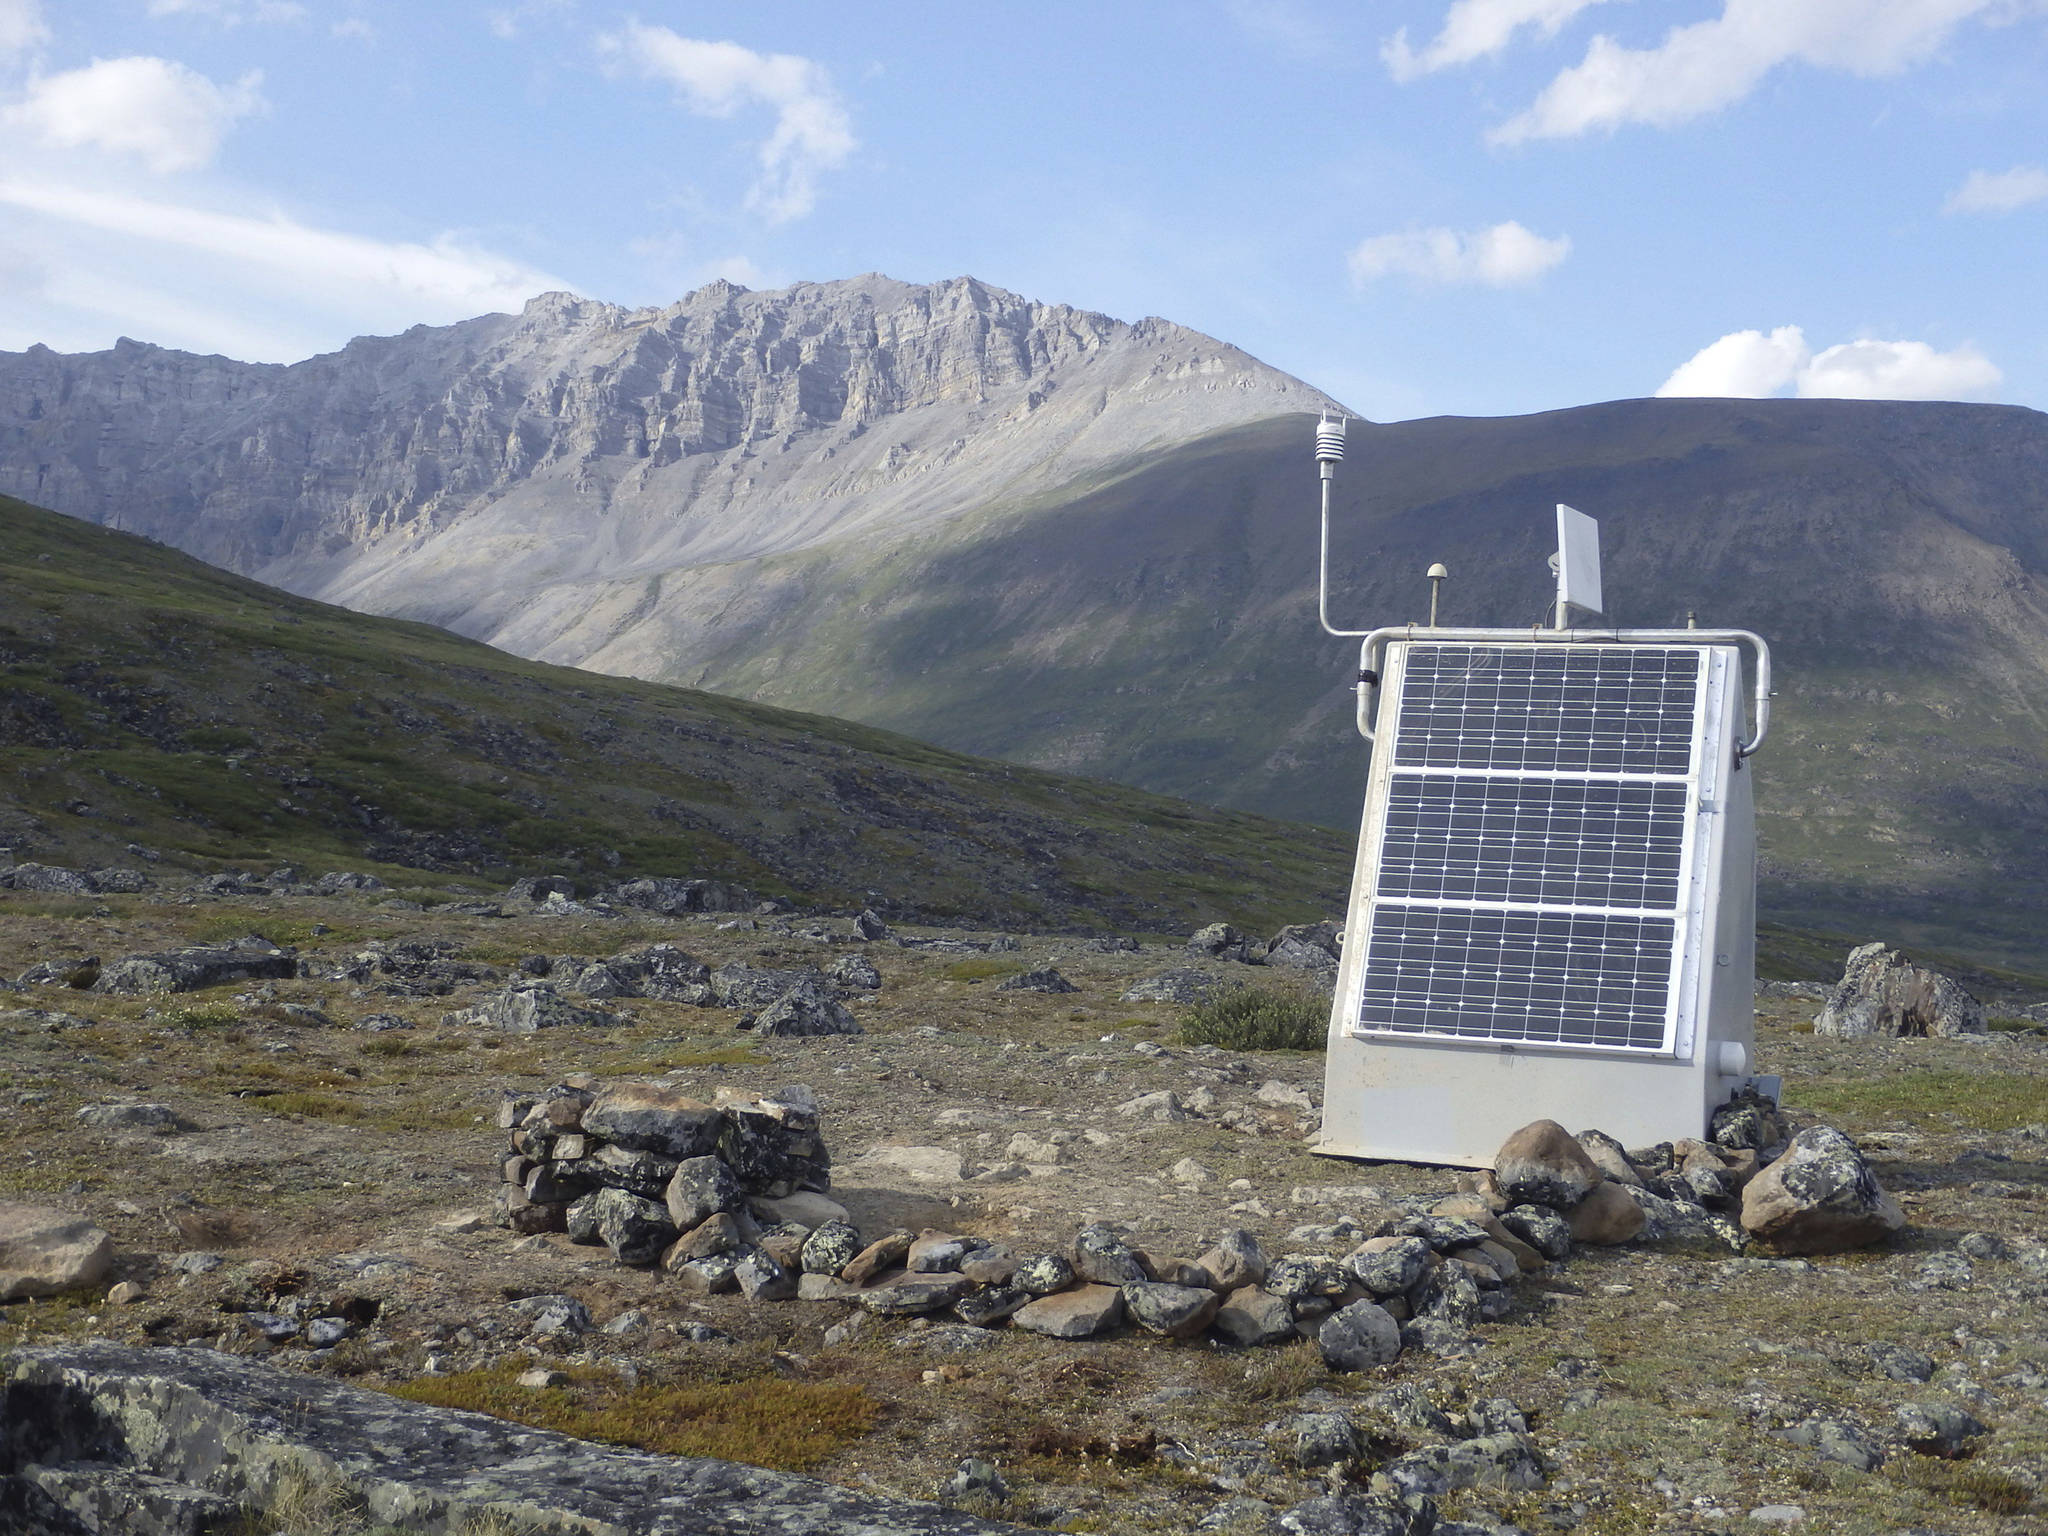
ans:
x=1553 y=914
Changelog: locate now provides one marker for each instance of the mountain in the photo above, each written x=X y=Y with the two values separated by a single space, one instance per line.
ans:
x=149 y=699
x=1025 y=532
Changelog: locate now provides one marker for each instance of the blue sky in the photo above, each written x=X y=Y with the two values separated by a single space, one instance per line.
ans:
x=1424 y=207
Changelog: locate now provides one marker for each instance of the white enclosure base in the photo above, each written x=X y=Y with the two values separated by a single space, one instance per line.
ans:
x=1396 y=1101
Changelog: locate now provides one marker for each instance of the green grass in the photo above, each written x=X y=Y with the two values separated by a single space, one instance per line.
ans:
x=763 y=1421
x=1985 y=1101
x=982 y=968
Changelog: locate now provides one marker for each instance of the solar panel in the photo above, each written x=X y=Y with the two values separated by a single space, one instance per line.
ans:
x=1529 y=879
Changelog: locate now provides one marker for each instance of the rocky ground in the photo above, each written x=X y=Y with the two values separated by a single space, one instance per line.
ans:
x=332 y=1148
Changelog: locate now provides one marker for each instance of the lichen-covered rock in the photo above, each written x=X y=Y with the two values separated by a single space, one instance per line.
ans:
x=1235 y=1262
x=1390 y=1265
x=1101 y=1257
x=636 y=1229
x=830 y=1248
x=1252 y=1316
x=915 y=1295
x=1297 y=1276
x=804 y=1012
x=1358 y=1337
x=856 y=973
x=1176 y=1311
x=527 y=1006
x=253 y=958
x=1323 y=1439
x=1046 y=980
x=1041 y=1274
x=760 y=1278
x=1488 y=1461
x=883 y=1254
x=743 y=986
x=702 y=1187
x=1541 y=1228
x=772 y=1144
x=1882 y=993
x=1748 y=1121
x=1680 y=1227
x=1543 y=1164
x=217 y=1424
x=1183 y=985
x=45 y=1252
x=1820 y=1197
x=986 y=1308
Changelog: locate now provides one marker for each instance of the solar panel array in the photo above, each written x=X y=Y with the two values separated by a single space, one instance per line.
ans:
x=1529 y=865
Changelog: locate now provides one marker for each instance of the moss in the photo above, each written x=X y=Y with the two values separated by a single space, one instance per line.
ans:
x=763 y=1421
x=1987 y=1101
x=982 y=968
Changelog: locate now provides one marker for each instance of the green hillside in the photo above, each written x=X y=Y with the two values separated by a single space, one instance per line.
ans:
x=149 y=699
x=1157 y=626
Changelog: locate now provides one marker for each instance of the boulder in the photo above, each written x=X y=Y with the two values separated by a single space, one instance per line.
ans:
x=201 y=965
x=1176 y=1311
x=45 y=1252
x=1043 y=1274
x=527 y=1006
x=1542 y=1164
x=636 y=1229
x=1103 y=1258
x=1604 y=1217
x=648 y=1117
x=1747 y=1122
x=1046 y=980
x=1251 y=1316
x=806 y=1011
x=1820 y=1197
x=52 y=879
x=702 y=1187
x=1679 y=1227
x=772 y=1144
x=1077 y=1314
x=1389 y=1266
x=1358 y=1337
x=1183 y=986
x=741 y=986
x=1609 y=1156
x=1220 y=941
x=1235 y=1262
x=1882 y=993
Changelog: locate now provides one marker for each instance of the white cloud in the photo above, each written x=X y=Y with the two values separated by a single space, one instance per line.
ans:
x=1507 y=255
x=1745 y=365
x=231 y=13
x=21 y=26
x=169 y=117
x=1288 y=27
x=1751 y=365
x=2000 y=191
x=447 y=280
x=1898 y=370
x=1478 y=29
x=812 y=131
x=1710 y=64
x=354 y=26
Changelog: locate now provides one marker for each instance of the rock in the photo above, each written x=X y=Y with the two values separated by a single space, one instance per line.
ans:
x=1219 y=940
x=1820 y=1197
x=740 y=986
x=810 y=1287
x=772 y=1144
x=1182 y=986
x=1681 y=1228
x=1286 y=1096
x=990 y=1266
x=717 y=1234
x=527 y=1006
x=885 y=1253
x=51 y=879
x=1900 y=1363
x=636 y=1229
x=1604 y=1217
x=986 y=1308
x=1164 y=1106
x=829 y=1249
x=935 y=1253
x=1235 y=1262
x=158 y=1119
x=1297 y=1276
x=1882 y=994
x=1358 y=1337
x=1041 y=1274
x=713 y=1275
x=658 y=970
x=761 y=1278
x=1046 y=980
x=528 y=1217
x=1406 y=1405
x=1191 y=1175
x=975 y=1477
x=1609 y=1156
x=1939 y=1429
x=1835 y=1440
x=44 y=1252
x=1748 y=1121
x=1101 y=1257
x=1447 y=1294
x=1358 y=1514
x=1176 y=1311
x=702 y=1187
x=856 y=972
x=805 y=1012
x=805 y=1206
x=203 y=965
x=1251 y=1316
x=1487 y=1461
x=1542 y=1164
x=1323 y=1439
x=1389 y=1266
x=553 y=1313
x=126 y=1294
x=1075 y=1314
x=169 y=1423
x=646 y=1174
x=674 y=898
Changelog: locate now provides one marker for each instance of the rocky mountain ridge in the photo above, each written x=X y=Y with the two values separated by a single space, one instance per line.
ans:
x=481 y=474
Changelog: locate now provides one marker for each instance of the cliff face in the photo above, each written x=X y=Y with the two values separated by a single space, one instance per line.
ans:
x=464 y=473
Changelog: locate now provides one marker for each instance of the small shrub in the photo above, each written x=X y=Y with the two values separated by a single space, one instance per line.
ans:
x=1256 y=1019
x=215 y=1015
x=982 y=968
x=1963 y=1484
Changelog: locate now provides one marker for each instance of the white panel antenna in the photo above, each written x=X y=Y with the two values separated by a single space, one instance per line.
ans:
x=1578 y=564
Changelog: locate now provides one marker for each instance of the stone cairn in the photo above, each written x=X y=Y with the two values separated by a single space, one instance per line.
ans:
x=729 y=1196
